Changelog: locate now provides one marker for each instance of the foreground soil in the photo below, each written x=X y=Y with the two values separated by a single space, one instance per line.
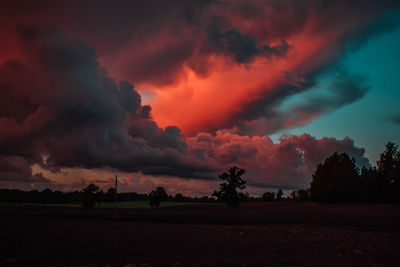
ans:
x=262 y=234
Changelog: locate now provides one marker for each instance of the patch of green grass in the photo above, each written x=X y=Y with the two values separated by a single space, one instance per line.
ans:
x=141 y=204
x=73 y=205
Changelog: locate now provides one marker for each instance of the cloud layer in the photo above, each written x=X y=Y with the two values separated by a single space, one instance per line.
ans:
x=227 y=64
x=288 y=164
x=61 y=109
x=220 y=74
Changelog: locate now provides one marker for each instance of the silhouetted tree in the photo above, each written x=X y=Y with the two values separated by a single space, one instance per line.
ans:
x=156 y=196
x=303 y=195
x=370 y=186
x=293 y=195
x=162 y=193
x=46 y=195
x=228 y=190
x=334 y=180
x=389 y=171
x=109 y=196
x=89 y=194
x=279 y=195
x=387 y=162
x=268 y=196
x=100 y=197
x=179 y=197
x=154 y=199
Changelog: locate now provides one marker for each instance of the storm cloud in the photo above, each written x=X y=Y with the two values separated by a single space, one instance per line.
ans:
x=221 y=76
x=267 y=115
x=242 y=47
x=288 y=164
x=78 y=116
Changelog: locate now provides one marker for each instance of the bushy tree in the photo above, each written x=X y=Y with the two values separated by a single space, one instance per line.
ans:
x=335 y=180
x=370 y=186
x=110 y=195
x=338 y=180
x=179 y=197
x=389 y=171
x=303 y=195
x=293 y=195
x=100 y=197
x=279 y=195
x=268 y=196
x=156 y=196
x=89 y=196
x=388 y=162
x=228 y=190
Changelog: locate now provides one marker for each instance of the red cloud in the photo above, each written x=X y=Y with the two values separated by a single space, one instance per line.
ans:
x=288 y=164
x=211 y=66
x=207 y=61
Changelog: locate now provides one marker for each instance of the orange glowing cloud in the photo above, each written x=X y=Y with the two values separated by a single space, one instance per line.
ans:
x=217 y=71
x=198 y=103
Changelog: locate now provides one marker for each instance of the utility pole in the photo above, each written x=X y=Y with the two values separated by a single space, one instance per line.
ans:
x=115 y=194
x=116 y=186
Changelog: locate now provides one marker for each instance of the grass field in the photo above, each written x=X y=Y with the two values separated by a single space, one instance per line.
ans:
x=256 y=234
x=141 y=204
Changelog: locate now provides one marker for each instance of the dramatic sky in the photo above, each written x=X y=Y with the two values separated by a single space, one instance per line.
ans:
x=171 y=93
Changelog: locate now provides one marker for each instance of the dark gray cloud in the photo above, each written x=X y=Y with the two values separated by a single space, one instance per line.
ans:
x=242 y=47
x=79 y=116
x=151 y=41
x=263 y=115
x=18 y=169
x=266 y=116
x=344 y=90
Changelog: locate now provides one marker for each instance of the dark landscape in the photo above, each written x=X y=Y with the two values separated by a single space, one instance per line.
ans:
x=199 y=133
x=257 y=234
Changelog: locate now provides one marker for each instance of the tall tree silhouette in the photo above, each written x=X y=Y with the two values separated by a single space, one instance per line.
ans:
x=228 y=190
x=279 y=195
x=389 y=171
x=371 y=186
x=388 y=163
x=89 y=196
x=156 y=196
x=303 y=195
x=335 y=180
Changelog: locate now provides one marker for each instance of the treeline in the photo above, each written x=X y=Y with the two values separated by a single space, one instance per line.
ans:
x=99 y=196
x=338 y=180
x=49 y=196
x=299 y=195
x=35 y=196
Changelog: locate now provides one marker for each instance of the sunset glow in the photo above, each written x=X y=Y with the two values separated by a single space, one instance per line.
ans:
x=174 y=92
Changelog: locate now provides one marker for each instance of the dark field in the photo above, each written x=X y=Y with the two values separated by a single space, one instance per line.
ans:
x=265 y=234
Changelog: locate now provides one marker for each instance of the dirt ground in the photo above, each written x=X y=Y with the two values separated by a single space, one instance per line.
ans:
x=260 y=234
